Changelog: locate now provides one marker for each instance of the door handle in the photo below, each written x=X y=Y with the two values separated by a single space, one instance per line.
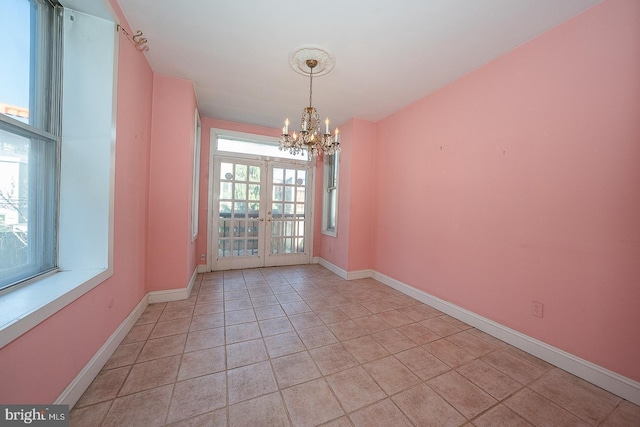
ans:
x=261 y=219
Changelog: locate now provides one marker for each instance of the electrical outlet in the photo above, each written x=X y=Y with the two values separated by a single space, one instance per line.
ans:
x=536 y=308
x=202 y=257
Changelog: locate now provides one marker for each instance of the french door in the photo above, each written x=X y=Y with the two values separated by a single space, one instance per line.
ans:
x=261 y=213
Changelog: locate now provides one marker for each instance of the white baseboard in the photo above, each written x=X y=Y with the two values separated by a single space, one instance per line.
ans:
x=82 y=381
x=202 y=268
x=359 y=274
x=315 y=260
x=332 y=267
x=173 y=294
x=617 y=384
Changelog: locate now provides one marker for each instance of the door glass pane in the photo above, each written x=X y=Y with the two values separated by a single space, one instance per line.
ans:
x=254 y=173
x=241 y=173
x=225 y=190
x=277 y=193
x=226 y=171
x=302 y=178
x=239 y=226
x=241 y=191
x=254 y=192
x=288 y=194
x=239 y=209
x=290 y=176
x=278 y=175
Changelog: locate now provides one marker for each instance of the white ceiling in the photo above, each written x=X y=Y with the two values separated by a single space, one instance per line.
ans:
x=389 y=53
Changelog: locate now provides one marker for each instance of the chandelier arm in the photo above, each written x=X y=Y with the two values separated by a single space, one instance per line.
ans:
x=310 y=85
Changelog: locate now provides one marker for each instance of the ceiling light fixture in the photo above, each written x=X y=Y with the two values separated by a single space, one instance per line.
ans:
x=310 y=61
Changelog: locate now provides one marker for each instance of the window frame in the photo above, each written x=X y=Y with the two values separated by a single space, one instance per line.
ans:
x=43 y=132
x=330 y=185
x=87 y=172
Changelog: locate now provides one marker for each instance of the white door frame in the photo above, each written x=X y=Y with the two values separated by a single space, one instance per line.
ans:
x=212 y=245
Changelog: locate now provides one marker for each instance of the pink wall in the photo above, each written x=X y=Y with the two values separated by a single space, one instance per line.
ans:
x=520 y=182
x=352 y=248
x=172 y=257
x=40 y=364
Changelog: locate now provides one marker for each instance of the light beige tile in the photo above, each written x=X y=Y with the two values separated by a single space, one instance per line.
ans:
x=208 y=308
x=332 y=358
x=162 y=347
x=381 y=414
x=332 y=315
x=424 y=407
x=245 y=353
x=292 y=308
x=239 y=316
x=372 y=324
x=237 y=304
x=626 y=414
x=422 y=363
x=489 y=379
x=395 y=318
x=250 y=381
x=294 y=369
x=147 y=408
x=511 y=364
x=151 y=374
x=500 y=415
x=346 y=330
x=586 y=401
x=266 y=410
x=268 y=312
x=197 y=396
x=275 y=326
x=202 y=362
x=462 y=394
x=471 y=344
x=416 y=312
x=394 y=341
x=317 y=336
x=305 y=320
x=138 y=333
x=540 y=411
x=125 y=354
x=355 y=310
x=170 y=327
x=355 y=388
x=205 y=338
x=104 y=387
x=365 y=349
x=176 y=313
x=440 y=327
x=391 y=375
x=210 y=419
x=206 y=321
x=242 y=332
x=280 y=345
x=266 y=301
x=311 y=403
x=448 y=352
x=89 y=415
x=418 y=333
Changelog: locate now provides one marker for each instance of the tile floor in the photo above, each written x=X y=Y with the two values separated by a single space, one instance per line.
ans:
x=300 y=346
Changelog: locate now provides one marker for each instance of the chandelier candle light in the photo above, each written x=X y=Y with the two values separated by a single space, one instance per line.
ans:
x=310 y=138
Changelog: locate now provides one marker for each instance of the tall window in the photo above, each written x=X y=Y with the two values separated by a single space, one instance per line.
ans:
x=30 y=85
x=330 y=199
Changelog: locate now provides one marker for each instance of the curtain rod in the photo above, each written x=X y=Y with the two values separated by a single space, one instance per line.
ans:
x=137 y=39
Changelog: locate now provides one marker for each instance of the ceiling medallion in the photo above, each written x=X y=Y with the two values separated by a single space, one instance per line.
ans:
x=310 y=61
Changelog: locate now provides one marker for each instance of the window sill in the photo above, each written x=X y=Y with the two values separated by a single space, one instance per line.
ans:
x=331 y=233
x=27 y=306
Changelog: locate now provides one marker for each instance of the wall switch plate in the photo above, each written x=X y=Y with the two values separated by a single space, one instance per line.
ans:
x=536 y=308
x=202 y=257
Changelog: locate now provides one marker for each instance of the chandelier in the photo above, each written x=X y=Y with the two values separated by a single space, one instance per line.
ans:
x=310 y=137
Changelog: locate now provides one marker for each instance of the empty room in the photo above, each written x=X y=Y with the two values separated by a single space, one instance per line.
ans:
x=342 y=213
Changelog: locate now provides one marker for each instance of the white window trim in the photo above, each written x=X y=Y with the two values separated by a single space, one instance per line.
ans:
x=333 y=232
x=86 y=239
